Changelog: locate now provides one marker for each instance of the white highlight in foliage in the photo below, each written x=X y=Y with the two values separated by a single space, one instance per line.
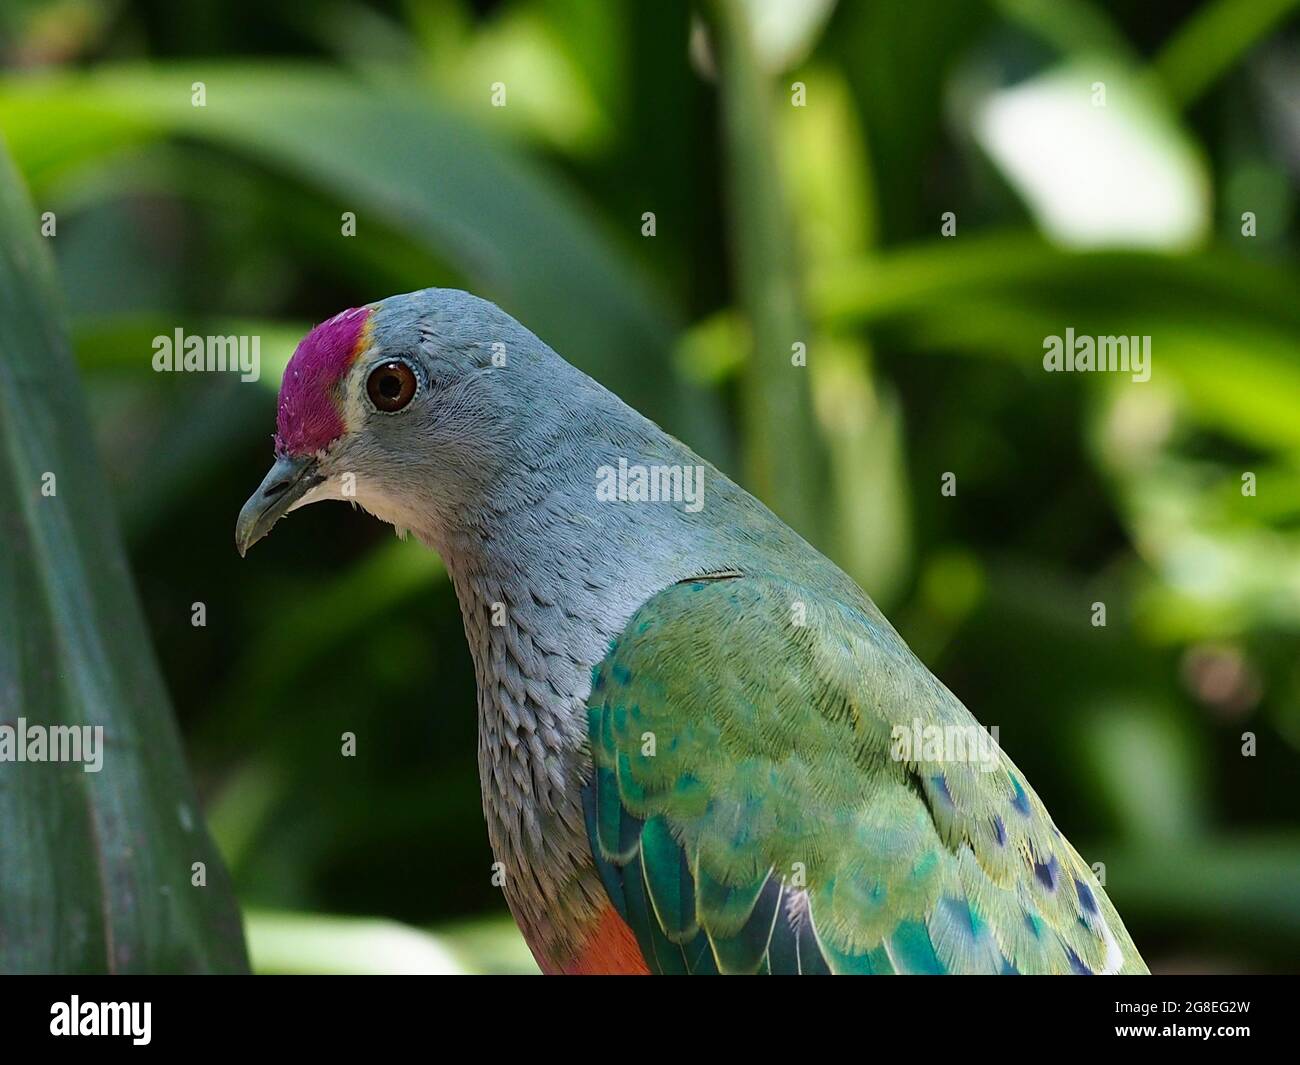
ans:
x=1119 y=175
x=783 y=33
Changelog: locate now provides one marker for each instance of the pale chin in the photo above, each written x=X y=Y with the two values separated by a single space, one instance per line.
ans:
x=330 y=488
x=359 y=492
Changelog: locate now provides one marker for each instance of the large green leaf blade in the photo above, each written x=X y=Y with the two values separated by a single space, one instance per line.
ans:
x=395 y=157
x=96 y=868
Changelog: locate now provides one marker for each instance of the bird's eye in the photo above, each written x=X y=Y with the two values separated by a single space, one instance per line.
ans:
x=391 y=386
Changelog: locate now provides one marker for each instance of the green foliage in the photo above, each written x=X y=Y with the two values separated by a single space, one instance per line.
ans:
x=97 y=857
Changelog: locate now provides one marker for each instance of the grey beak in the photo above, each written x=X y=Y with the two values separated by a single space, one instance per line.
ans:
x=291 y=478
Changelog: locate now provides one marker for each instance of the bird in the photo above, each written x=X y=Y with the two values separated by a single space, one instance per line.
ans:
x=702 y=748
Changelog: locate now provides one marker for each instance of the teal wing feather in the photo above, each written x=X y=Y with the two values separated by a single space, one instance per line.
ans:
x=752 y=807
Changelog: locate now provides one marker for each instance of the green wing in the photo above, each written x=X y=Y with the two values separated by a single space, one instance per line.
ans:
x=752 y=808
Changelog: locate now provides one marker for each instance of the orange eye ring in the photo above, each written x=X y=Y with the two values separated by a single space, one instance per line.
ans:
x=391 y=386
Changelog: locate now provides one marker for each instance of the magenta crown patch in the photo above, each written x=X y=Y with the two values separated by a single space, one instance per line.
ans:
x=308 y=417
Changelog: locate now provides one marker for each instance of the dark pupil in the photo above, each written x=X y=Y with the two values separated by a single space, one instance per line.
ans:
x=390 y=386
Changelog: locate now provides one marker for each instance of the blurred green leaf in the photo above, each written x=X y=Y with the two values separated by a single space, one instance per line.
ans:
x=1234 y=890
x=897 y=56
x=1216 y=35
x=517 y=235
x=1071 y=25
x=323 y=617
x=174 y=430
x=1223 y=329
x=922 y=276
x=862 y=424
x=95 y=867
x=787 y=470
x=1145 y=761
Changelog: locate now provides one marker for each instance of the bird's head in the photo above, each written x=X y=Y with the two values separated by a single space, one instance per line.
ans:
x=403 y=406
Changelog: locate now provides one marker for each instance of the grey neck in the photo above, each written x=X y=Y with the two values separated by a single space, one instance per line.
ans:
x=547 y=576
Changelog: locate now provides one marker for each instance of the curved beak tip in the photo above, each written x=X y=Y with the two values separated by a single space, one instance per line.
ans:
x=288 y=480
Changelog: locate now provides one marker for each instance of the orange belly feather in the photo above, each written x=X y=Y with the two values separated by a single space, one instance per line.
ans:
x=610 y=950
